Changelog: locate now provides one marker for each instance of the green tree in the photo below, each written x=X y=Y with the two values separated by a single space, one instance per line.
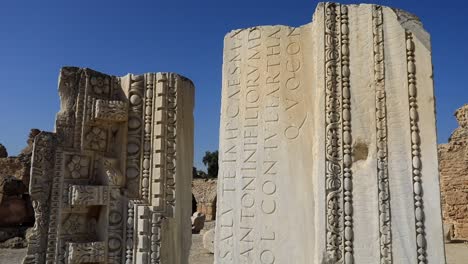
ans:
x=211 y=162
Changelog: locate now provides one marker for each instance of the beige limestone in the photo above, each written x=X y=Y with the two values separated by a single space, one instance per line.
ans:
x=454 y=179
x=328 y=143
x=204 y=192
x=112 y=183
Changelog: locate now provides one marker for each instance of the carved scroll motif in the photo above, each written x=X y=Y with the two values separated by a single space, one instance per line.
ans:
x=385 y=230
x=415 y=150
x=338 y=159
x=86 y=252
x=333 y=151
x=135 y=129
x=110 y=111
x=87 y=195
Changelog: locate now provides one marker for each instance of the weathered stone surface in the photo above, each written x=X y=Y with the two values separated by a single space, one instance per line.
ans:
x=328 y=143
x=112 y=184
x=15 y=205
x=453 y=158
x=198 y=222
x=204 y=191
x=208 y=240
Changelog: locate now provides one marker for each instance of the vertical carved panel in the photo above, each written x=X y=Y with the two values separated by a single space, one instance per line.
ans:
x=115 y=240
x=130 y=232
x=55 y=210
x=333 y=134
x=146 y=167
x=338 y=152
x=171 y=128
x=347 y=138
x=381 y=132
x=415 y=151
x=135 y=130
x=42 y=173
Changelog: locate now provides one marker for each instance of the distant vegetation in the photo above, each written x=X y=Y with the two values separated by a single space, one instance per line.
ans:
x=210 y=160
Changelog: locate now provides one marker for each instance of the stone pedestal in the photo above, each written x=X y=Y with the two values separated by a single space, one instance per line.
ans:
x=328 y=143
x=112 y=184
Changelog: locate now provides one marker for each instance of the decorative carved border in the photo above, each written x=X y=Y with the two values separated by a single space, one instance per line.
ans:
x=135 y=123
x=55 y=204
x=156 y=222
x=333 y=133
x=43 y=160
x=415 y=150
x=171 y=135
x=116 y=227
x=130 y=232
x=146 y=167
x=338 y=139
x=385 y=229
x=164 y=159
x=347 y=138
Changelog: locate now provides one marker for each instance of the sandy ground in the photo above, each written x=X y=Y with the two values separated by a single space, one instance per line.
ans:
x=457 y=253
x=198 y=254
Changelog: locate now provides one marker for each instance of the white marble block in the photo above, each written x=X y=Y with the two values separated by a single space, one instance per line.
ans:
x=328 y=142
x=112 y=183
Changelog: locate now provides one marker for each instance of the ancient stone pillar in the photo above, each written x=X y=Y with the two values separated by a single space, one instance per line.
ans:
x=328 y=142
x=113 y=183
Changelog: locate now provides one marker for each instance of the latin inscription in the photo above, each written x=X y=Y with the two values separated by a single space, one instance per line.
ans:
x=262 y=91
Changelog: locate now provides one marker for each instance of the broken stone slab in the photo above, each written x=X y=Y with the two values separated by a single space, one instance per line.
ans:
x=328 y=142
x=112 y=184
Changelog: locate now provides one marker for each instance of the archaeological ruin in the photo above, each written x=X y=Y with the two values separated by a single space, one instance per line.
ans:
x=453 y=159
x=204 y=192
x=328 y=148
x=112 y=184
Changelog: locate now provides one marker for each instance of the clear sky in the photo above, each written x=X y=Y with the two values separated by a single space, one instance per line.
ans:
x=117 y=37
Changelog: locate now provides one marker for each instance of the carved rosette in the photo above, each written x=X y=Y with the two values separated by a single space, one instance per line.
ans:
x=415 y=150
x=381 y=132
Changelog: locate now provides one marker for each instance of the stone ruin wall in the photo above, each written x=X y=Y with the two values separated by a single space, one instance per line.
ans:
x=204 y=192
x=15 y=204
x=453 y=162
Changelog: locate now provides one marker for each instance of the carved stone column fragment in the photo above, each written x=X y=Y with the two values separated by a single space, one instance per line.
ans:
x=123 y=145
x=327 y=142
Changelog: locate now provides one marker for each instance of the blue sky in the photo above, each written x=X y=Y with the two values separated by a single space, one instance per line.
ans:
x=116 y=37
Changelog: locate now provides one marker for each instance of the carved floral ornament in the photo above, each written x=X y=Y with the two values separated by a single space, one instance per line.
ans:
x=100 y=85
x=96 y=138
x=78 y=167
